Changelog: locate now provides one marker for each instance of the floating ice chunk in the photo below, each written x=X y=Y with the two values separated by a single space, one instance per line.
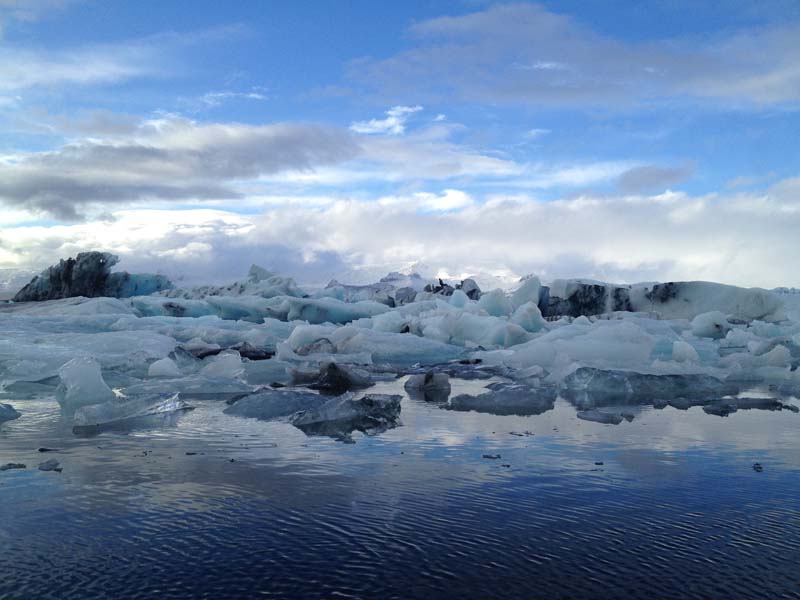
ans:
x=259 y=283
x=528 y=291
x=461 y=327
x=123 y=412
x=340 y=416
x=320 y=346
x=392 y=322
x=332 y=378
x=688 y=299
x=608 y=344
x=322 y=310
x=275 y=404
x=459 y=299
x=470 y=287
x=82 y=385
x=529 y=317
x=267 y=371
x=89 y=274
x=605 y=417
x=588 y=386
x=393 y=348
x=674 y=300
x=226 y=365
x=404 y=295
x=76 y=307
x=684 y=352
x=164 y=367
x=430 y=386
x=496 y=303
x=244 y=308
x=712 y=324
x=779 y=356
x=50 y=465
x=257 y=273
x=8 y=413
x=378 y=292
x=506 y=399
x=721 y=408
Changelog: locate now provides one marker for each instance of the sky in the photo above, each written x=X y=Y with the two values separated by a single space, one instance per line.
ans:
x=619 y=141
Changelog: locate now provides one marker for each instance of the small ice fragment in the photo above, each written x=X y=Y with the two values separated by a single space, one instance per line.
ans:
x=50 y=465
x=274 y=404
x=721 y=408
x=226 y=365
x=506 y=399
x=496 y=303
x=82 y=384
x=684 y=352
x=340 y=416
x=123 y=410
x=430 y=386
x=9 y=466
x=529 y=291
x=712 y=324
x=599 y=416
x=165 y=367
x=332 y=377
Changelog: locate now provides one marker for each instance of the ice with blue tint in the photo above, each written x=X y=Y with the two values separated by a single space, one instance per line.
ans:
x=225 y=341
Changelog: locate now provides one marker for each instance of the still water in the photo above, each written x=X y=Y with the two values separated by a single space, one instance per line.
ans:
x=216 y=506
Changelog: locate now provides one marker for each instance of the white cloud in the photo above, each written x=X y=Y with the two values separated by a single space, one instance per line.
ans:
x=213 y=99
x=533 y=134
x=523 y=53
x=393 y=124
x=743 y=239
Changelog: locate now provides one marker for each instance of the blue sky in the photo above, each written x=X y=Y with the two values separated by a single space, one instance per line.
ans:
x=615 y=140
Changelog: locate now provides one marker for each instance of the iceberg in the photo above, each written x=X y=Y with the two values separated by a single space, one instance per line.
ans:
x=673 y=300
x=89 y=274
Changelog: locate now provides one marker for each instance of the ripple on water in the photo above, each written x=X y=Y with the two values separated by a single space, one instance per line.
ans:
x=675 y=509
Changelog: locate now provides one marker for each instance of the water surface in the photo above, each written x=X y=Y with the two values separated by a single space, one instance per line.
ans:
x=211 y=505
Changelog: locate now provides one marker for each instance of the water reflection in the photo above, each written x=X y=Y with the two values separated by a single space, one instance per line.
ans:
x=667 y=505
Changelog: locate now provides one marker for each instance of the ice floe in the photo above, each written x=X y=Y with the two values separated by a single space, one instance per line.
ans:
x=111 y=359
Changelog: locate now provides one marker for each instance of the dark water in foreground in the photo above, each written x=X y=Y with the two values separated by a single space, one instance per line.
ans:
x=675 y=510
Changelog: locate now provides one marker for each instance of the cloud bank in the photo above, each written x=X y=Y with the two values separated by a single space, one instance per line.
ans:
x=742 y=239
